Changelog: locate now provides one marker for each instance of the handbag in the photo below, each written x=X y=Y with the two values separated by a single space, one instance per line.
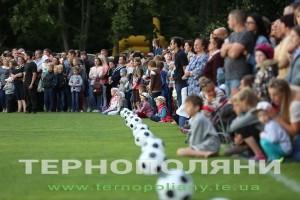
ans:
x=97 y=87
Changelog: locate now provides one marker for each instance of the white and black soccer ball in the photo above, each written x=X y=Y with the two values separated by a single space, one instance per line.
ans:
x=175 y=185
x=149 y=162
x=153 y=143
x=135 y=121
x=123 y=112
x=128 y=119
x=127 y=114
x=139 y=127
x=141 y=137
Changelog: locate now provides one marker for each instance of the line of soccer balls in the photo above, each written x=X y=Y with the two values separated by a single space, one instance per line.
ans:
x=153 y=149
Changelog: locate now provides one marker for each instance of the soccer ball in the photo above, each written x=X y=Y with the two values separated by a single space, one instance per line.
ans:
x=127 y=114
x=153 y=143
x=123 y=111
x=150 y=162
x=176 y=185
x=139 y=127
x=141 y=137
x=135 y=121
x=128 y=119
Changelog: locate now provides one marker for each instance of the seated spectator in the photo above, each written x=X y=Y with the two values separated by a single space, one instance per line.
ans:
x=247 y=124
x=289 y=112
x=121 y=104
x=114 y=101
x=267 y=69
x=212 y=96
x=144 y=109
x=204 y=140
x=273 y=139
x=163 y=114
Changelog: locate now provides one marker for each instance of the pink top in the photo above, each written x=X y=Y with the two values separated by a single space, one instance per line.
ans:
x=146 y=109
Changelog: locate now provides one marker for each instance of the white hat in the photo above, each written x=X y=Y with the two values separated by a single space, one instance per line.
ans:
x=263 y=105
x=44 y=58
x=145 y=94
x=161 y=98
x=9 y=79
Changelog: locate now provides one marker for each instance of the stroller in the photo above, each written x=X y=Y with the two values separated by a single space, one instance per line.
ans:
x=221 y=118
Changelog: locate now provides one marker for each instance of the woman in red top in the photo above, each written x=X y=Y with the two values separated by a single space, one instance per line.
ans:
x=215 y=60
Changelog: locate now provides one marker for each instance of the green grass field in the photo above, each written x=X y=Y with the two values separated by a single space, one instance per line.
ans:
x=86 y=136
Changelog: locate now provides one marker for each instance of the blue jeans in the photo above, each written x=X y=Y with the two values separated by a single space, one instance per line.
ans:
x=296 y=148
x=272 y=150
x=75 y=101
x=231 y=84
x=49 y=99
x=60 y=99
x=2 y=99
x=155 y=118
x=92 y=98
x=178 y=87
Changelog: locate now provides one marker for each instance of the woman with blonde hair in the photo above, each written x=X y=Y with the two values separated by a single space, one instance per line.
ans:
x=288 y=113
x=105 y=69
x=136 y=80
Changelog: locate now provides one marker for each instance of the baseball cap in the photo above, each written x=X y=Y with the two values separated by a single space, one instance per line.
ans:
x=263 y=105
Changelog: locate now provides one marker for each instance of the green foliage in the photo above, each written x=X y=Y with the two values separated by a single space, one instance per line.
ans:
x=36 y=24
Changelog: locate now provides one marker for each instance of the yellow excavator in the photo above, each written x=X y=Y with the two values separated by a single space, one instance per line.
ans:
x=140 y=42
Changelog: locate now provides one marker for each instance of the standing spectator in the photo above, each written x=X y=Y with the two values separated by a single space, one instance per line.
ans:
x=294 y=71
x=87 y=65
x=163 y=73
x=17 y=75
x=30 y=85
x=95 y=75
x=75 y=83
x=9 y=94
x=67 y=70
x=189 y=49
x=281 y=50
x=157 y=49
x=38 y=58
x=240 y=41
x=104 y=80
x=215 y=61
x=60 y=88
x=4 y=73
x=181 y=62
x=221 y=33
x=267 y=69
x=115 y=77
x=49 y=83
x=15 y=55
x=155 y=87
x=256 y=26
x=194 y=70
x=136 y=80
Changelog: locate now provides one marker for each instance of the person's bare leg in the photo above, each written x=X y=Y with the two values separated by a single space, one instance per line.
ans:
x=193 y=153
x=251 y=142
x=24 y=105
x=19 y=106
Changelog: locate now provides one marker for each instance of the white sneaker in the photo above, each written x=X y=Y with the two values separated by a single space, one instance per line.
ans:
x=88 y=110
x=95 y=111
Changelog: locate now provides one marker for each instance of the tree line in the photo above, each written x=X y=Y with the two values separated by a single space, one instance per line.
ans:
x=94 y=24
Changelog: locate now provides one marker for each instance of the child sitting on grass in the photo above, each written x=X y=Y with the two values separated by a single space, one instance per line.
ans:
x=204 y=140
x=163 y=114
x=114 y=102
x=145 y=110
x=274 y=139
